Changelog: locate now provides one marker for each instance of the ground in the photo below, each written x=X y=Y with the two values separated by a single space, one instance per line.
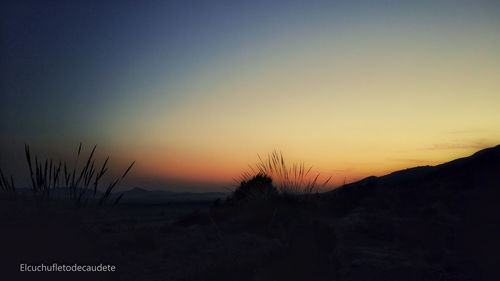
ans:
x=429 y=223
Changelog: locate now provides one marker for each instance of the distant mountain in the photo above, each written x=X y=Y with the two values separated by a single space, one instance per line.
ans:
x=138 y=194
x=58 y=192
x=141 y=194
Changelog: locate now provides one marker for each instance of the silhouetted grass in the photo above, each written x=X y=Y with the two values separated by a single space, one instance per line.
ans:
x=45 y=176
x=7 y=185
x=112 y=185
x=289 y=178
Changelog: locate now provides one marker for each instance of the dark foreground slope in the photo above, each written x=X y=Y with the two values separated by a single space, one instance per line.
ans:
x=425 y=223
x=446 y=218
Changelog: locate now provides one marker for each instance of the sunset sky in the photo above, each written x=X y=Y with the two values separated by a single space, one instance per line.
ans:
x=194 y=90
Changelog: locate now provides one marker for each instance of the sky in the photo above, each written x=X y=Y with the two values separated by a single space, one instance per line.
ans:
x=194 y=90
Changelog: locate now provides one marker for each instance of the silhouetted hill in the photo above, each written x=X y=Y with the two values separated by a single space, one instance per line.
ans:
x=449 y=212
x=465 y=186
x=479 y=168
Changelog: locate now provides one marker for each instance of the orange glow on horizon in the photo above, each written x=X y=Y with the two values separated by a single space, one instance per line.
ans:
x=210 y=168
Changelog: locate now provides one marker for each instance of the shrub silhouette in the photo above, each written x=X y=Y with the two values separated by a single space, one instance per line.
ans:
x=259 y=186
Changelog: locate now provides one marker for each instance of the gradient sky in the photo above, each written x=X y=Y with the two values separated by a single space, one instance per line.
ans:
x=193 y=90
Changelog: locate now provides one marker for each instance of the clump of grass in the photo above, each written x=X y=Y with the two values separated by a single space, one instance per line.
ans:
x=80 y=182
x=44 y=176
x=294 y=178
x=6 y=184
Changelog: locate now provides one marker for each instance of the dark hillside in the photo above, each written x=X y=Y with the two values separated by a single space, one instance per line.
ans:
x=447 y=213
